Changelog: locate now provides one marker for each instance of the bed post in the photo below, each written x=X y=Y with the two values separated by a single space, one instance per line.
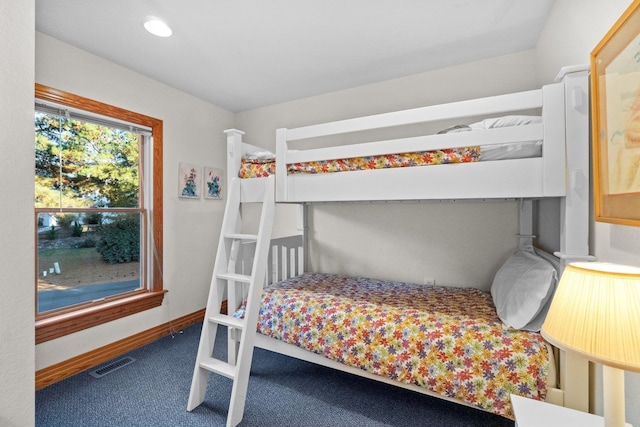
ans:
x=304 y=211
x=281 y=165
x=234 y=151
x=554 y=151
x=525 y=224
x=574 y=215
x=574 y=210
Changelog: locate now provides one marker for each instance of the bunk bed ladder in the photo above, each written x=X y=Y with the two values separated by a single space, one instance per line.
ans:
x=227 y=276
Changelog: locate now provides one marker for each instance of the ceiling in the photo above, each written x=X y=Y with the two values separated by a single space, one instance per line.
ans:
x=244 y=54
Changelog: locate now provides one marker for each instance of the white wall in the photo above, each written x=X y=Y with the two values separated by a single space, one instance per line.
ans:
x=17 y=376
x=504 y=74
x=406 y=241
x=193 y=132
x=570 y=35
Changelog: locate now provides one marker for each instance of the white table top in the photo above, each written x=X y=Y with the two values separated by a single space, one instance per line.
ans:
x=534 y=413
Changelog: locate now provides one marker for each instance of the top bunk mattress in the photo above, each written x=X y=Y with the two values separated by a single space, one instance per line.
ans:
x=261 y=164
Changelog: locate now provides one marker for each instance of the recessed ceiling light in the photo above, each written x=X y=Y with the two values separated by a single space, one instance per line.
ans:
x=157 y=27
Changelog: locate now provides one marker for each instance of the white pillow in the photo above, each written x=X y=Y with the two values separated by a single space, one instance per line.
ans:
x=511 y=150
x=506 y=121
x=259 y=155
x=455 y=129
x=522 y=290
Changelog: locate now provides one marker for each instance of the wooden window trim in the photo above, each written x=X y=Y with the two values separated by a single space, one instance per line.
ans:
x=64 y=322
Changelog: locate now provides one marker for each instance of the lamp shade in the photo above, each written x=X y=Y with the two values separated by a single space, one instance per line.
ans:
x=595 y=313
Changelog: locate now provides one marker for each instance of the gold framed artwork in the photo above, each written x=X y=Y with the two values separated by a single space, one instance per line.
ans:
x=615 y=90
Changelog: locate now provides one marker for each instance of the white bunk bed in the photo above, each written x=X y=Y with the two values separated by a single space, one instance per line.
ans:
x=560 y=170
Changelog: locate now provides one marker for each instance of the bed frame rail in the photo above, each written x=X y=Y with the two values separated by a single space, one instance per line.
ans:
x=531 y=177
x=286 y=258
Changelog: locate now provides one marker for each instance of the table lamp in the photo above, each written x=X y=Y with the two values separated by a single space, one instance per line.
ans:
x=595 y=313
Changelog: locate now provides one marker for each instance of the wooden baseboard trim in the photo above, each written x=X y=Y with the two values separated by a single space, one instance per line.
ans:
x=75 y=365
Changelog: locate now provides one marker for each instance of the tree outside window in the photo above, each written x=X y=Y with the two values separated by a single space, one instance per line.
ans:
x=86 y=252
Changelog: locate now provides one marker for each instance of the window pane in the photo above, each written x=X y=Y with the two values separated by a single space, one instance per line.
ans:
x=86 y=256
x=81 y=164
x=110 y=181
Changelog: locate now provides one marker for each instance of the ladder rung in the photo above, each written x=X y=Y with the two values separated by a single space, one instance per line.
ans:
x=226 y=320
x=219 y=367
x=253 y=237
x=236 y=277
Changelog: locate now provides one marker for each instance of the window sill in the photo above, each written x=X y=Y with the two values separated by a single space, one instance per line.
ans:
x=58 y=325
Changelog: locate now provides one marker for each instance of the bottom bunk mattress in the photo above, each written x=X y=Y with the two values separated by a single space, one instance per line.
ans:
x=447 y=340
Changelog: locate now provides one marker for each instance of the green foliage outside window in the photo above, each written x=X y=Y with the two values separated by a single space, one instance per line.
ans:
x=80 y=164
x=120 y=241
x=85 y=165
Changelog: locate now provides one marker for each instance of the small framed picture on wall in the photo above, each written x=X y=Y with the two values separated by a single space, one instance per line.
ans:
x=213 y=183
x=189 y=181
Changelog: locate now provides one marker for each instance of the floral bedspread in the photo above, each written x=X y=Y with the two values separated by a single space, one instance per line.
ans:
x=261 y=168
x=257 y=168
x=448 y=340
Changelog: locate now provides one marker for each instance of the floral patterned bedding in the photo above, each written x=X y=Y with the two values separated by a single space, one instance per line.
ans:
x=449 y=340
x=252 y=168
x=257 y=168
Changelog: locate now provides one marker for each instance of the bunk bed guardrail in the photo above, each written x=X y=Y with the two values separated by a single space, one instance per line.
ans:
x=525 y=177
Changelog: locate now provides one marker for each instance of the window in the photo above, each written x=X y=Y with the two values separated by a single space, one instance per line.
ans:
x=98 y=213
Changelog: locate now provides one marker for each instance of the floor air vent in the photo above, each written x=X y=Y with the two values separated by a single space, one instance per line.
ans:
x=113 y=366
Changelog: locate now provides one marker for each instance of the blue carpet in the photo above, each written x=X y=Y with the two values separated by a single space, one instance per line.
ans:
x=283 y=391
